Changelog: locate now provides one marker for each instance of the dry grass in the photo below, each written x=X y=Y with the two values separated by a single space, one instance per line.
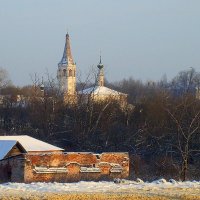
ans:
x=190 y=194
x=82 y=197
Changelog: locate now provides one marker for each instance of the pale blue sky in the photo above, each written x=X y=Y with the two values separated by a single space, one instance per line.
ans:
x=140 y=38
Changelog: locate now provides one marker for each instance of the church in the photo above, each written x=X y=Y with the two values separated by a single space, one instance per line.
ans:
x=66 y=75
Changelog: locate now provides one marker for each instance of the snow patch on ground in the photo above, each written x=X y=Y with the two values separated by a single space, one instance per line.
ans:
x=103 y=186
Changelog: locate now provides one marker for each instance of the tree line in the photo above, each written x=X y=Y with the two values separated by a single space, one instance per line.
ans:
x=159 y=127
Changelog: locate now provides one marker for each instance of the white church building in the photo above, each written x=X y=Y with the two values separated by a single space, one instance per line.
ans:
x=66 y=75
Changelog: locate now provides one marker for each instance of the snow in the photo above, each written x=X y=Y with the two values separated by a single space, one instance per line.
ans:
x=5 y=147
x=116 y=169
x=90 y=169
x=100 y=90
x=103 y=186
x=50 y=170
x=30 y=144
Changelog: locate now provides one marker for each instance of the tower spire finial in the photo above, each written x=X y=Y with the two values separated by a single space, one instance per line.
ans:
x=100 y=79
x=100 y=57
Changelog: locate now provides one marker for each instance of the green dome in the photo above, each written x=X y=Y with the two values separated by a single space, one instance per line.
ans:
x=100 y=66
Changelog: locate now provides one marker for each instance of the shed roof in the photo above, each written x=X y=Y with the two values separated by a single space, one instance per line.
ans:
x=30 y=144
x=5 y=147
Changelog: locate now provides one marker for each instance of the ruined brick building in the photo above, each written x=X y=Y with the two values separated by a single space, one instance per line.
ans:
x=66 y=75
x=26 y=159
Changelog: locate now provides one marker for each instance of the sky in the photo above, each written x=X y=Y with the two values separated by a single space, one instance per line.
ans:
x=142 y=39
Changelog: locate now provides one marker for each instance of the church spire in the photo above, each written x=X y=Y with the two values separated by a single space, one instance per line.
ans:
x=100 y=78
x=67 y=55
x=100 y=65
x=66 y=73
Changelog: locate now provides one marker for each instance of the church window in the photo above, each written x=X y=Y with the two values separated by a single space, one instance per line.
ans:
x=70 y=72
x=64 y=72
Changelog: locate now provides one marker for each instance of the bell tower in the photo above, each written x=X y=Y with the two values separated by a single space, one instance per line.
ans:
x=100 y=77
x=66 y=73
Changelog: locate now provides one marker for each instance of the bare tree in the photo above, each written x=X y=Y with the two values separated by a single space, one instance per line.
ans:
x=185 y=117
x=4 y=78
x=186 y=82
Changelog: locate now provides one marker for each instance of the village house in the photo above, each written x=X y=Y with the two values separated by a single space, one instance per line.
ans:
x=26 y=159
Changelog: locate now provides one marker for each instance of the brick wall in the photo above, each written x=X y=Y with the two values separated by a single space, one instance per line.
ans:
x=64 y=167
x=69 y=167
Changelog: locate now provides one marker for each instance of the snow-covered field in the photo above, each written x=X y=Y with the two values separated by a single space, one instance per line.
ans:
x=160 y=189
x=102 y=186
